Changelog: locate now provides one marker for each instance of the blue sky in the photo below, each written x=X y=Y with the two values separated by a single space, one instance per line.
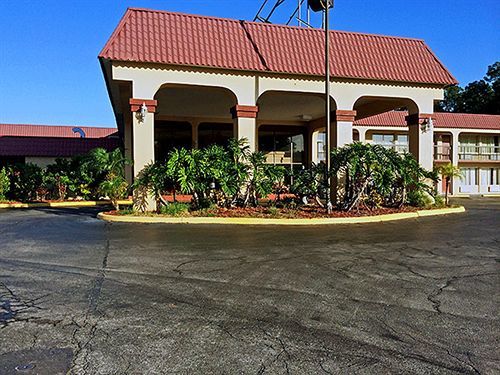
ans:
x=49 y=72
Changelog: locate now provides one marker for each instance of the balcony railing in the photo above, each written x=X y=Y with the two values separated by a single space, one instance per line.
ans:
x=442 y=152
x=479 y=153
x=401 y=148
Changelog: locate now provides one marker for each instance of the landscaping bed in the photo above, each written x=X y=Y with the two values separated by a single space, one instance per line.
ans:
x=263 y=212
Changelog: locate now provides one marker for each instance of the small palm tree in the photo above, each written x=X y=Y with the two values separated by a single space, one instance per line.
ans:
x=448 y=171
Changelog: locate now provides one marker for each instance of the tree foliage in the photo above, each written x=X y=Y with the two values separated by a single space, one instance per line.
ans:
x=448 y=172
x=80 y=177
x=482 y=96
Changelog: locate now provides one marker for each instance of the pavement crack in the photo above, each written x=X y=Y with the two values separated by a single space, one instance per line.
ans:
x=433 y=297
x=468 y=363
x=84 y=333
x=14 y=308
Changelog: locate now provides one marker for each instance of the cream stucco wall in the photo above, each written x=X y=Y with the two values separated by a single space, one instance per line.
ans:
x=248 y=87
x=41 y=161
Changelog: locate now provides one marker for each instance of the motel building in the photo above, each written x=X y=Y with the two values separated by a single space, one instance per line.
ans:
x=180 y=80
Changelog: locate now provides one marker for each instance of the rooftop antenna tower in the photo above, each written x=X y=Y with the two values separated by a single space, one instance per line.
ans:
x=301 y=14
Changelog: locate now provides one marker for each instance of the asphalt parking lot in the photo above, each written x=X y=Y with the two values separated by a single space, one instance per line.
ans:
x=419 y=296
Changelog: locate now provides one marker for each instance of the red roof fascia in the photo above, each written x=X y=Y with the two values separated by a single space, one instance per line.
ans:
x=442 y=120
x=150 y=36
x=53 y=147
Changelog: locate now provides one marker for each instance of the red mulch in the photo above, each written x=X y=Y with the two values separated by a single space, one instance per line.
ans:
x=303 y=212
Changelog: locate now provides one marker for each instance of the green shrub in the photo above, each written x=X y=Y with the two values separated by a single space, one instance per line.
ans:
x=376 y=176
x=440 y=201
x=175 y=209
x=114 y=187
x=421 y=199
x=26 y=183
x=4 y=184
x=127 y=211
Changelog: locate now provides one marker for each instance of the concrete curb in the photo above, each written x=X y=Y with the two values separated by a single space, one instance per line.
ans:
x=260 y=221
x=63 y=204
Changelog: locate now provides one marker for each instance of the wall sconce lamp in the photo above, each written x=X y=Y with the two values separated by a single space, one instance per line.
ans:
x=427 y=125
x=142 y=113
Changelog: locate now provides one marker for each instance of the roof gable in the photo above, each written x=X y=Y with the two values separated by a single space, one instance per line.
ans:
x=181 y=39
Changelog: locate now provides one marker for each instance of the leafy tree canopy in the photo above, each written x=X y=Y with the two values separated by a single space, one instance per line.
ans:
x=482 y=96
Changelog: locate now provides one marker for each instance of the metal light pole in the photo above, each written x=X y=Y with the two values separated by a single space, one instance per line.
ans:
x=324 y=6
x=329 y=205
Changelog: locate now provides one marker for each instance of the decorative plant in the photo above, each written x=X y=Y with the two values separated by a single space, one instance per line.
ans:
x=4 y=184
x=372 y=175
x=154 y=179
x=262 y=178
x=309 y=183
x=25 y=182
x=448 y=171
x=114 y=187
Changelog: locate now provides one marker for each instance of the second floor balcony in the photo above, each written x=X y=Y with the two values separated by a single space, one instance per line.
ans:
x=442 y=153
x=478 y=153
x=467 y=153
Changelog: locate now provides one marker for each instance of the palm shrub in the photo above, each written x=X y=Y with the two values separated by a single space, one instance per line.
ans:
x=4 y=184
x=373 y=176
x=448 y=172
x=114 y=187
x=154 y=179
x=224 y=176
x=262 y=178
x=100 y=165
x=310 y=183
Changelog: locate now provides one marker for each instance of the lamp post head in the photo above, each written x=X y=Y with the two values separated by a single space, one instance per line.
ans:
x=319 y=5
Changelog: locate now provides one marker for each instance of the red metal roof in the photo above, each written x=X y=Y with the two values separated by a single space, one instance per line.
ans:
x=53 y=147
x=151 y=36
x=25 y=130
x=442 y=120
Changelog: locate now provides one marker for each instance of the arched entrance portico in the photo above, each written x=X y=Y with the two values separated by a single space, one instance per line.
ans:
x=420 y=129
x=192 y=116
x=286 y=122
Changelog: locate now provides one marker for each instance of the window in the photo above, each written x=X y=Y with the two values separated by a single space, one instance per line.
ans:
x=495 y=176
x=383 y=139
x=470 y=176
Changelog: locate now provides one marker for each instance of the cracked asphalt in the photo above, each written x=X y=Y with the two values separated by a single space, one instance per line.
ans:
x=83 y=296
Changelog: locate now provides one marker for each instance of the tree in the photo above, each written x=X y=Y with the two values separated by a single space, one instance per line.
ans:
x=448 y=172
x=452 y=99
x=477 y=97
x=481 y=96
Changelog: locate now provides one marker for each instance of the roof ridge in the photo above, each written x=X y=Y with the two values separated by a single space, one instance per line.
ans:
x=116 y=31
x=260 y=24
x=439 y=62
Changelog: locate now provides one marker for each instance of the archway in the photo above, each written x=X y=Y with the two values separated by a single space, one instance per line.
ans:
x=286 y=123
x=185 y=112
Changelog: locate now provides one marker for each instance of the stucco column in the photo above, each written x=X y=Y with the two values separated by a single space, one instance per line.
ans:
x=454 y=160
x=421 y=138
x=244 y=124
x=341 y=128
x=362 y=134
x=143 y=144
